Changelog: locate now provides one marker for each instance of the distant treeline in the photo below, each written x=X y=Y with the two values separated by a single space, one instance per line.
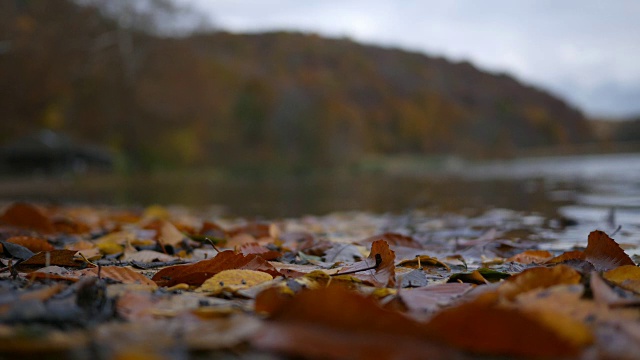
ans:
x=221 y=99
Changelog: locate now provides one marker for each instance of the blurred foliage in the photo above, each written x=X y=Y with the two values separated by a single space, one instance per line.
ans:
x=107 y=74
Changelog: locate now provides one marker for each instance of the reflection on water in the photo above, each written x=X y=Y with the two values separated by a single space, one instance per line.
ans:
x=586 y=188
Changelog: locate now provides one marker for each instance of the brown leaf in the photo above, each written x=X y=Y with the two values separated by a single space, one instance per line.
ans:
x=531 y=257
x=196 y=274
x=257 y=249
x=122 y=274
x=536 y=278
x=384 y=275
x=28 y=216
x=484 y=329
x=56 y=257
x=604 y=253
x=336 y=323
x=32 y=243
x=427 y=299
x=393 y=239
x=566 y=256
x=257 y=230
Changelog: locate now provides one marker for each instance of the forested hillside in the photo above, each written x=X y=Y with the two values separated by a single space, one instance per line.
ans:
x=219 y=99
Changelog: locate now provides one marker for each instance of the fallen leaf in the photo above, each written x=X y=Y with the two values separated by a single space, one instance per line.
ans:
x=428 y=299
x=626 y=276
x=337 y=323
x=257 y=249
x=536 y=278
x=383 y=275
x=234 y=280
x=27 y=216
x=473 y=277
x=421 y=261
x=16 y=250
x=531 y=257
x=604 y=253
x=147 y=256
x=55 y=257
x=341 y=252
x=197 y=273
x=567 y=256
x=118 y=273
x=484 y=329
x=393 y=239
x=32 y=243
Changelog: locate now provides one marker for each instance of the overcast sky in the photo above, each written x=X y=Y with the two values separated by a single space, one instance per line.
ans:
x=586 y=51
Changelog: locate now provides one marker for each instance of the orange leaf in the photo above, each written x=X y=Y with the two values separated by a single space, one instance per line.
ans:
x=27 y=216
x=481 y=328
x=32 y=243
x=537 y=278
x=383 y=275
x=566 y=256
x=196 y=274
x=531 y=257
x=604 y=253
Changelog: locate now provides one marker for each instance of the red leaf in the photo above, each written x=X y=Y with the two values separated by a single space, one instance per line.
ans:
x=196 y=274
x=122 y=274
x=604 y=253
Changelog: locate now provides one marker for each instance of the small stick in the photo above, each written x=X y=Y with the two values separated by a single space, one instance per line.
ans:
x=377 y=264
x=212 y=244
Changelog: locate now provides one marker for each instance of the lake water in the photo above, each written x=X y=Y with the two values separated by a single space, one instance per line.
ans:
x=585 y=187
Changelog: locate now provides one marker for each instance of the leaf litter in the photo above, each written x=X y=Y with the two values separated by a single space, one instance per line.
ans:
x=103 y=282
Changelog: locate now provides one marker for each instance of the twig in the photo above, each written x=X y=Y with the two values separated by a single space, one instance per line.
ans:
x=212 y=244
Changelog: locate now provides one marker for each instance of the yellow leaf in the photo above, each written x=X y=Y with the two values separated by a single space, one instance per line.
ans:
x=626 y=276
x=234 y=280
x=109 y=248
x=157 y=212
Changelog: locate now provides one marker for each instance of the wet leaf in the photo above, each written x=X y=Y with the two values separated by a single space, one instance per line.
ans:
x=234 y=280
x=196 y=274
x=604 y=253
x=626 y=276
